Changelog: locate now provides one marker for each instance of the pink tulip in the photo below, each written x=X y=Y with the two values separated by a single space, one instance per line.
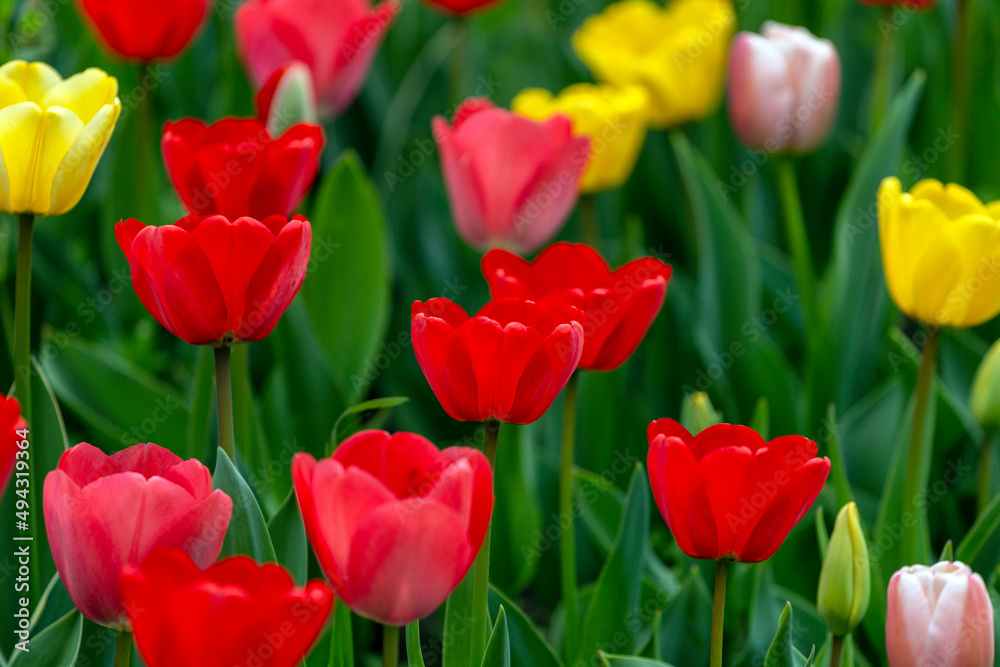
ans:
x=784 y=89
x=512 y=181
x=105 y=512
x=336 y=39
x=395 y=523
x=939 y=616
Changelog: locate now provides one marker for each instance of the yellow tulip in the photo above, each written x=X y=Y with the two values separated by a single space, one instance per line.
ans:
x=52 y=133
x=677 y=53
x=613 y=117
x=940 y=252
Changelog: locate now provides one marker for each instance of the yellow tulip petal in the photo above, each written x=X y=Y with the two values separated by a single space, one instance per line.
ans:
x=939 y=269
x=77 y=167
x=11 y=92
x=993 y=210
x=35 y=79
x=975 y=298
x=953 y=200
x=84 y=94
x=59 y=129
x=19 y=125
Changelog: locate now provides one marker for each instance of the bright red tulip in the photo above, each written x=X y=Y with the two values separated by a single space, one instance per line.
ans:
x=727 y=494
x=620 y=305
x=234 y=168
x=103 y=513
x=508 y=362
x=236 y=612
x=146 y=30
x=336 y=39
x=461 y=7
x=512 y=181
x=395 y=522
x=211 y=281
x=11 y=422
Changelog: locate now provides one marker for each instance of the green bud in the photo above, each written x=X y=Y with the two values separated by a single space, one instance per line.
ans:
x=293 y=102
x=845 y=582
x=697 y=413
x=985 y=399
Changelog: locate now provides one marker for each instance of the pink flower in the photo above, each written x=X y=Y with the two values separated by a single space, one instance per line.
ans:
x=11 y=422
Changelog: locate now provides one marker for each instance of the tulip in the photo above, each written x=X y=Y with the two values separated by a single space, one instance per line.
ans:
x=698 y=413
x=511 y=181
x=462 y=7
x=726 y=493
x=620 y=305
x=287 y=98
x=146 y=30
x=613 y=117
x=235 y=612
x=939 y=615
x=235 y=168
x=336 y=39
x=52 y=133
x=394 y=522
x=845 y=582
x=507 y=363
x=984 y=400
x=914 y=4
x=103 y=513
x=784 y=89
x=12 y=427
x=185 y=275
x=677 y=53
x=940 y=249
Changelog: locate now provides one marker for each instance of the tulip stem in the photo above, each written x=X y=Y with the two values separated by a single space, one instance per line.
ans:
x=882 y=78
x=390 y=646
x=719 y=610
x=224 y=396
x=590 y=221
x=123 y=648
x=567 y=542
x=836 y=651
x=915 y=456
x=798 y=240
x=481 y=584
x=459 y=58
x=985 y=481
x=960 y=90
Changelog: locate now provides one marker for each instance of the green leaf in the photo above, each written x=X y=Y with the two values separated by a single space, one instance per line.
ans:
x=781 y=653
x=55 y=646
x=341 y=638
x=948 y=552
x=517 y=514
x=288 y=534
x=760 y=421
x=414 y=656
x=527 y=646
x=822 y=535
x=980 y=548
x=199 y=427
x=247 y=532
x=457 y=622
x=379 y=406
x=687 y=620
x=498 y=649
x=629 y=661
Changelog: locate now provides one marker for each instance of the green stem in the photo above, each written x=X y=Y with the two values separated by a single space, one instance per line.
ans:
x=960 y=87
x=985 y=474
x=590 y=221
x=459 y=59
x=390 y=646
x=224 y=396
x=837 y=651
x=567 y=542
x=481 y=584
x=798 y=240
x=123 y=648
x=719 y=611
x=882 y=78
x=915 y=456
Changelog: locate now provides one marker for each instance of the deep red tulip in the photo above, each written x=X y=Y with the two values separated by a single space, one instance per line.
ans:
x=461 y=7
x=508 y=362
x=11 y=422
x=209 y=280
x=620 y=305
x=146 y=30
x=103 y=513
x=236 y=612
x=395 y=522
x=336 y=39
x=512 y=181
x=727 y=494
x=235 y=168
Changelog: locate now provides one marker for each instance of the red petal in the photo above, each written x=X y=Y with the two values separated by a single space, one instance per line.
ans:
x=276 y=281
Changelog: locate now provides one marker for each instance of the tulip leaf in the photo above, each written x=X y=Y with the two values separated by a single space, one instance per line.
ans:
x=498 y=648
x=628 y=661
x=55 y=646
x=202 y=410
x=457 y=622
x=781 y=652
x=686 y=624
x=341 y=638
x=288 y=535
x=517 y=515
x=980 y=548
x=247 y=532
x=379 y=407
x=414 y=654
x=527 y=646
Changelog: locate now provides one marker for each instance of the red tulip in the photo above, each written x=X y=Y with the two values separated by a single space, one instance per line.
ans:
x=508 y=362
x=146 y=30
x=103 y=513
x=512 y=181
x=620 y=305
x=336 y=39
x=186 y=276
x=11 y=422
x=727 y=494
x=461 y=7
x=394 y=522
x=235 y=168
x=236 y=612
x=915 y=4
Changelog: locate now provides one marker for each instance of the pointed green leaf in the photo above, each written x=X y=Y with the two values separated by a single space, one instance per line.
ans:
x=527 y=646
x=341 y=638
x=247 y=532
x=629 y=661
x=782 y=651
x=414 y=656
x=55 y=646
x=498 y=649
x=376 y=405
x=458 y=622
x=288 y=535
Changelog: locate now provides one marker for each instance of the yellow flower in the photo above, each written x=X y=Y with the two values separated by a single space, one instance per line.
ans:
x=52 y=133
x=677 y=53
x=940 y=252
x=613 y=117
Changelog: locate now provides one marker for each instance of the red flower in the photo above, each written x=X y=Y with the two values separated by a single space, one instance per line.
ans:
x=186 y=277
x=235 y=168
x=727 y=494
x=461 y=7
x=394 y=522
x=236 y=612
x=146 y=30
x=11 y=422
x=512 y=181
x=508 y=362
x=620 y=305
x=916 y=4
x=105 y=512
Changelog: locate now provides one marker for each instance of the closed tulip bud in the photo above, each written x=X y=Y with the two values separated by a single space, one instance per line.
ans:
x=698 y=413
x=287 y=98
x=784 y=89
x=845 y=582
x=985 y=398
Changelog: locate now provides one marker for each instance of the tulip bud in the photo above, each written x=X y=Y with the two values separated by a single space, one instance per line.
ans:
x=698 y=413
x=985 y=397
x=287 y=98
x=845 y=581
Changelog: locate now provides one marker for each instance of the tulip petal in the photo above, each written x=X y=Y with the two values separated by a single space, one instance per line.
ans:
x=19 y=129
x=447 y=366
x=83 y=94
x=276 y=281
